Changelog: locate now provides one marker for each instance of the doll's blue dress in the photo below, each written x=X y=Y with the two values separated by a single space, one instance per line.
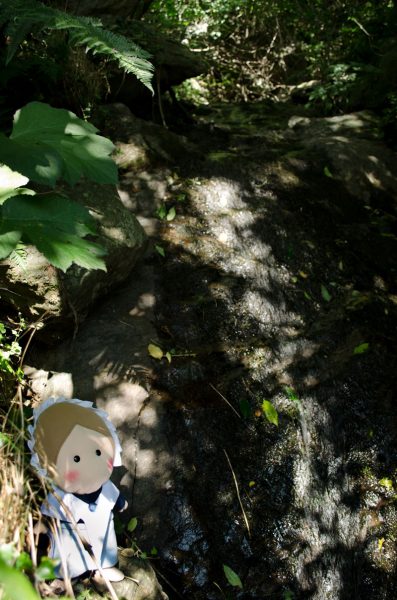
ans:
x=94 y=522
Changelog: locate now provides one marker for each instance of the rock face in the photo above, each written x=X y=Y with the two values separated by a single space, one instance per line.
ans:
x=35 y=287
x=141 y=142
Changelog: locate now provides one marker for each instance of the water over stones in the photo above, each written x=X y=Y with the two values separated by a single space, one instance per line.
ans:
x=263 y=293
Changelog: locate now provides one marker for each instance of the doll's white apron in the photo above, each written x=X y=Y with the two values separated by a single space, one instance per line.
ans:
x=96 y=526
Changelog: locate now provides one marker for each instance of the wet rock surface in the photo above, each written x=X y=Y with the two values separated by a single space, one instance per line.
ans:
x=273 y=281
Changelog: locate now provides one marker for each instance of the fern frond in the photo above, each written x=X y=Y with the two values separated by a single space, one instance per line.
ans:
x=24 y=16
x=19 y=256
x=88 y=32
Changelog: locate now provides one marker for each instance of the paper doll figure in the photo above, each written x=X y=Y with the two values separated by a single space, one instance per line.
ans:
x=76 y=447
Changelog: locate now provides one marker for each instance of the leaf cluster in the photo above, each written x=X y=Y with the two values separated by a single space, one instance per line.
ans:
x=22 y=17
x=47 y=145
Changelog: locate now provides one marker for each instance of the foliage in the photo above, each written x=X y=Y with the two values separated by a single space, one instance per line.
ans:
x=23 y=17
x=258 y=47
x=10 y=349
x=47 y=145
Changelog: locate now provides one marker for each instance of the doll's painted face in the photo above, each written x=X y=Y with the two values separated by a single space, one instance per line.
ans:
x=85 y=461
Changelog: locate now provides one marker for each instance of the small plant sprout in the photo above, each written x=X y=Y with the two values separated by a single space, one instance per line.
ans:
x=270 y=412
x=232 y=577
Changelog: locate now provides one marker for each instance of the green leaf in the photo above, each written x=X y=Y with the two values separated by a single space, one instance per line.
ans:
x=10 y=184
x=8 y=554
x=154 y=551
x=270 y=412
x=8 y=241
x=50 y=143
x=23 y=562
x=245 y=408
x=46 y=569
x=387 y=483
x=160 y=250
x=132 y=524
x=325 y=293
x=168 y=356
x=361 y=348
x=232 y=577
x=155 y=351
x=328 y=173
x=171 y=214
x=291 y=394
x=161 y=212
x=56 y=225
x=15 y=585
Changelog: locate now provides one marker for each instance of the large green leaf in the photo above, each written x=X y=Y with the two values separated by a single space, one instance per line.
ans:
x=8 y=241
x=15 y=585
x=47 y=144
x=56 y=225
x=10 y=184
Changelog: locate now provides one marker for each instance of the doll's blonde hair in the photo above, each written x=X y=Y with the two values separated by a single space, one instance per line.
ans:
x=56 y=423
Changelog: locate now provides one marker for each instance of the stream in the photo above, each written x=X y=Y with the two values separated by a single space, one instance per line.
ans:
x=273 y=280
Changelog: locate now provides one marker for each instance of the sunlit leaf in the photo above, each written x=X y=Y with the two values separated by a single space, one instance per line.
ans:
x=155 y=351
x=9 y=241
x=361 y=348
x=307 y=296
x=10 y=184
x=23 y=562
x=56 y=225
x=325 y=293
x=168 y=356
x=154 y=551
x=303 y=274
x=132 y=524
x=381 y=541
x=270 y=412
x=232 y=577
x=251 y=484
x=387 y=483
x=48 y=143
x=328 y=173
x=171 y=214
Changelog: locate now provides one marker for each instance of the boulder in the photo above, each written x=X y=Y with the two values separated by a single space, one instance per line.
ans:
x=141 y=142
x=34 y=287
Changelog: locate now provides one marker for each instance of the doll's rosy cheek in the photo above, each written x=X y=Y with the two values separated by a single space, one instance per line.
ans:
x=71 y=476
x=110 y=464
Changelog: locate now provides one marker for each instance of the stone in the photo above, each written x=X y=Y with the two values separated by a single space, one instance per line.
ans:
x=141 y=142
x=36 y=288
x=350 y=147
x=140 y=582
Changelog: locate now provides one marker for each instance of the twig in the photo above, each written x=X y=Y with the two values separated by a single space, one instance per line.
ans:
x=166 y=581
x=226 y=400
x=238 y=494
x=159 y=97
x=360 y=26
